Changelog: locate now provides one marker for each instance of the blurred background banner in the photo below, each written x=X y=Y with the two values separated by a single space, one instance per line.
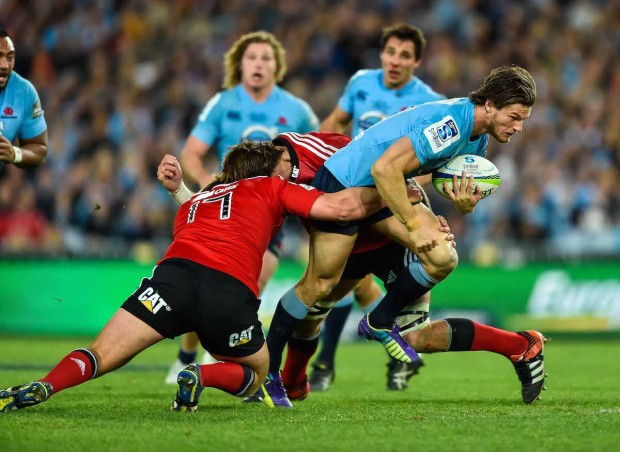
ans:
x=78 y=297
x=123 y=82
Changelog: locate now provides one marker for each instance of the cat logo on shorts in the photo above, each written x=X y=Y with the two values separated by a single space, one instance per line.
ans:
x=153 y=301
x=240 y=339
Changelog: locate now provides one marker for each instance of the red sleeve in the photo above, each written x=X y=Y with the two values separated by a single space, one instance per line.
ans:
x=296 y=199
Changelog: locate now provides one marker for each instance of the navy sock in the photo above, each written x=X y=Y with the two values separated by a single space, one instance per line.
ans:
x=289 y=312
x=187 y=357
x=332 y=329
x=412 y=282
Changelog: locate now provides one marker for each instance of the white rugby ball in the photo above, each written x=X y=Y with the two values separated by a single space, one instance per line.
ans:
x=486 y=175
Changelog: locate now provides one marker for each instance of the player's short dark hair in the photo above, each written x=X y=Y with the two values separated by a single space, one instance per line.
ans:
x=506 y=85
x=405 y=32
x=248 y=159
x=4 y=33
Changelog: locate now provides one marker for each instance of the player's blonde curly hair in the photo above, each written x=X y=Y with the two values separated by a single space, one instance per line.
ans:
x=232 y=59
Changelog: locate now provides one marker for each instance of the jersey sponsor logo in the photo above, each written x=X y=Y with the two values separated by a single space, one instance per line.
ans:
x=153 y=301
x=370 y=118
x=259 y=133
x=307 y=187
x=442 y=134
x=295 y=172
x=8 y=113
x=244 y=337
x=36 y=109
x=361 y=95
x=233 y=115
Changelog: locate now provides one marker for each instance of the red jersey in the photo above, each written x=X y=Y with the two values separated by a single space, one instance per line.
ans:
x=229 y=227
x=308 y=152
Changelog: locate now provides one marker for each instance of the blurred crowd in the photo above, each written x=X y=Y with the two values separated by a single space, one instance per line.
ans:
x=122 y=82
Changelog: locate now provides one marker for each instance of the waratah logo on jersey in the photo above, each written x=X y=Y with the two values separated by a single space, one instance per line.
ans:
x=153 y=301
x=442 y=134
x=8 y=112
x=370 y=118
x=259 y=133
x=244 y=337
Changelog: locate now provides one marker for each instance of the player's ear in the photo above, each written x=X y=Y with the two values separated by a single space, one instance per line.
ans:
x=489 y=106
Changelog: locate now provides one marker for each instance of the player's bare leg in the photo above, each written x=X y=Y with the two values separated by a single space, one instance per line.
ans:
x=122 y=338
x=525 y=349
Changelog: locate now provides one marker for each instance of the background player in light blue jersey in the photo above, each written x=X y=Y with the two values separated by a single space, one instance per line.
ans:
x=251 y=107
x=413 y=142
x=21 y=115
x=370 y=96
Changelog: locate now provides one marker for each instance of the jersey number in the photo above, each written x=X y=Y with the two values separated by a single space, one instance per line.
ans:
x=225 y=207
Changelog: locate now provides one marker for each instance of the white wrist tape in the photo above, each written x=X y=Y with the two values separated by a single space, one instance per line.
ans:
x=18 y=154
x=181 y=194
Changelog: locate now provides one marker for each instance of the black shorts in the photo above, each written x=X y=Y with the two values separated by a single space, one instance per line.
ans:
x=183 y=296
x=385 y=263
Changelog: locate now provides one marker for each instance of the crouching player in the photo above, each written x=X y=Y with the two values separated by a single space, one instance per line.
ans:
x=206 y=281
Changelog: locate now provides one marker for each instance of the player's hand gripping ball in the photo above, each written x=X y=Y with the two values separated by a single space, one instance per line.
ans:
x=486 y=175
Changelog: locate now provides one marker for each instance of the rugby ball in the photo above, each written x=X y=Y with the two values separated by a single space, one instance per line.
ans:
x=486 y=175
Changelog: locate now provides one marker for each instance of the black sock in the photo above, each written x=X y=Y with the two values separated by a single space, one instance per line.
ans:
x=281 y=329
x=187 y=357
x=462 y=333
x=332 y=329
x=399 y=294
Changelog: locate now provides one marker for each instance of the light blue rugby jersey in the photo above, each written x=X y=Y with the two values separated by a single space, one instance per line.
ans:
x=21 y=115
x=369 y=101
x=232 y=116
x=439 y=131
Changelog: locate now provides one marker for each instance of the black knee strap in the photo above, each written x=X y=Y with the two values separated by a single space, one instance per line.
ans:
x=462 y=334
x=248 y=380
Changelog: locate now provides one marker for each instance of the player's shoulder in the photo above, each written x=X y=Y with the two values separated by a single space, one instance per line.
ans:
x=288 y=97
x=19 y=83
x=425 y=89
x=364 y=76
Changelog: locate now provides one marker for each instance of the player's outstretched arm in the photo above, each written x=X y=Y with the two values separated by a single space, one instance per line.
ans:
x=347 y=205
x=170 y=175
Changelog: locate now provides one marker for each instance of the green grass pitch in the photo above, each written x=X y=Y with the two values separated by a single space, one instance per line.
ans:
x=459 y=401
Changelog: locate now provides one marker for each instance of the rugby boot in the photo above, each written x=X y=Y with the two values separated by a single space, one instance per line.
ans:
x=188 y=391
x=530 y=366
x=394 y=344
x=298 y=392
x=399 y=374
x=271 y=393
x=23 y=396
x=321 y=377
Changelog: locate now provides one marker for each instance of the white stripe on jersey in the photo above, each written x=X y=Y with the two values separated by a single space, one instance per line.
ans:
x=312 y=144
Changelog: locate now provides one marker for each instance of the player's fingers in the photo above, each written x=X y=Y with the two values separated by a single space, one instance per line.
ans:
x=447 y=189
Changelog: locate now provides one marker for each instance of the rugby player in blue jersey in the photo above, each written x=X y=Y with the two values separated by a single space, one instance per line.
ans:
x=370 y=96
x=413 y=142
x=251 y=107
x=21 y=115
